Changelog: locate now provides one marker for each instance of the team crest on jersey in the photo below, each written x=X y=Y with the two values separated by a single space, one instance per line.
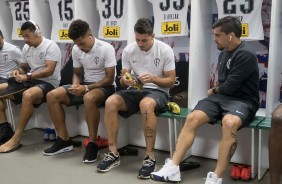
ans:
x=171 y=27
x=245 y=30
x=96 y=60
x=19 y=33
x=111 y=32
x=41 y=55
x=5 y=57
x=157 y=61
x=64 y=34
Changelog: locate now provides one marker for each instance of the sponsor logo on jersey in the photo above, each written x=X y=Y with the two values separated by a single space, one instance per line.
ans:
x=111 y=32
x=19 y=33
x=64 y=34
x=171 y=27
x=245 y=30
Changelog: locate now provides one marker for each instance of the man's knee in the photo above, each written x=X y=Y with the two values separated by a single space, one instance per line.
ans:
x=113 y=103
x=55 y=95
x=147 y=104
x=231 y=123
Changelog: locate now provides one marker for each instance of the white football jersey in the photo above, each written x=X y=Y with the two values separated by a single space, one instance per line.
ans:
x=170 y=17
x=20 y=14
x=10 y=58
x=63 y=13
x=113 y=19
x=248 y=12
x=156 y=61
x=36 y=58
x=94 y=62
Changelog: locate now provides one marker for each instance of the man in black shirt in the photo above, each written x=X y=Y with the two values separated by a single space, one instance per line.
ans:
x=235 y=100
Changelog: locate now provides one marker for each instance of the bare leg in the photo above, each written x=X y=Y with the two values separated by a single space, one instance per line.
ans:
x=275 y=146
x=3 y=117
x=113 y=104
x=55 y=99
x=149 y=121
x=228 y=144
x=187 y=135
x=92 y=100
x=30 y=96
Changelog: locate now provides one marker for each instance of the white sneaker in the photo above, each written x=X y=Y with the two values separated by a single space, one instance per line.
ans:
x=213 y=179
x=168 y=173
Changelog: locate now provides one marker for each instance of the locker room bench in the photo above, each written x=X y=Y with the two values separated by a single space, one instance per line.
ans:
x=258 y=123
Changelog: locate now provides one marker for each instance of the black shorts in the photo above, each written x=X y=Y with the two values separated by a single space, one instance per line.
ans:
x=132 y=98
x=217 y=105
x=43 y=85
x=3 y=80
x=78 y=100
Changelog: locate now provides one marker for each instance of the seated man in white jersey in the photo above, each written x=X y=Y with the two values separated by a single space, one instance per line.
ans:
x=275 y=146
x=152 y=62
x=10 y=57
x=97 y=59
x=235 y=100
x=39 y=71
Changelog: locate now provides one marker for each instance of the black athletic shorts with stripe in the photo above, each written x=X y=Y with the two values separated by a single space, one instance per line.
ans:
x=217 y=105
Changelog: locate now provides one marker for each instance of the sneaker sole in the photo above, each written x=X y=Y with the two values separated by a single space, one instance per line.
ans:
x=67 y=149
x=91 y=161
x=109 y=168
x=162 y=179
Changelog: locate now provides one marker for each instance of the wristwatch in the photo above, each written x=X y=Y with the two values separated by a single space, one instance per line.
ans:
x=86 y=88
x=28 y=75
x=214 y=90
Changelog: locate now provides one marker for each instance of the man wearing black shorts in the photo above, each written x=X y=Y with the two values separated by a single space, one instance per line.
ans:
x=152 y=64
x=235 y=100
x=10 y=57
x=97 y=59
x=39 y=71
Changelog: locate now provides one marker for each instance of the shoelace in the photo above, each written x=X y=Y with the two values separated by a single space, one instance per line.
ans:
x=148 y=162
x=109 y=157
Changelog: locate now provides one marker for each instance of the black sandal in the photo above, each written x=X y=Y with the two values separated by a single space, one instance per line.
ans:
x=188 y=165
x=128 y=151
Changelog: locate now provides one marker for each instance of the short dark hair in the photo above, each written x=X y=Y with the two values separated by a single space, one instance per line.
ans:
x=28 y=25
x=144 y=26
x=78 y=28
x=229 y=24
x=1 y=34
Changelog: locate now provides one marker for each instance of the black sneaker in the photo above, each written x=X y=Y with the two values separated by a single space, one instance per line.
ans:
x=149 y=166
x=110 y=161
x=13 y=88
x=91 y=154
x=60 y=146
x=6 y=132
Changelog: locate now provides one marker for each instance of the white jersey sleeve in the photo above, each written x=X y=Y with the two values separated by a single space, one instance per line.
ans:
x=10 y=58
x=63 y=13
x=113 y=19
x=170 y=17
x=248 y=12
x=20 y=14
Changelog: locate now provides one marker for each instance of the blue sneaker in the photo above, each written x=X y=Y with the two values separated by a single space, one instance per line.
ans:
x=148 y=166
x=110 y=161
